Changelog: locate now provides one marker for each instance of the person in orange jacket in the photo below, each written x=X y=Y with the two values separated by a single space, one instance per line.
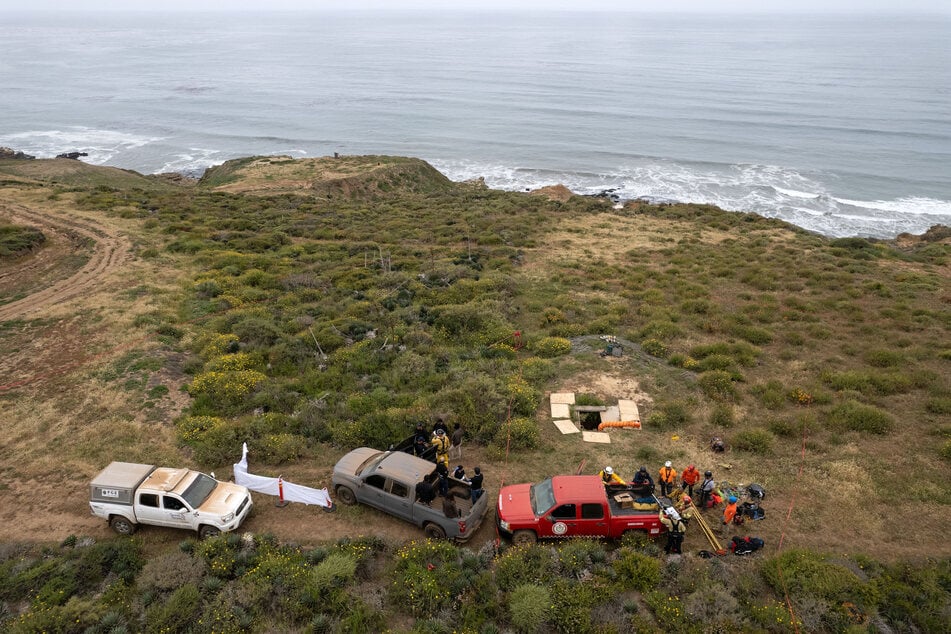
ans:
x=667 y=477
x=688 y=478
x=729 y=513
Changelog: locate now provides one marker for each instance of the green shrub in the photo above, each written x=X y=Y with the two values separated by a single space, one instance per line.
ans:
x=715 y=362
x=524 y=398
x=722 y=415
x=669 y=415
x=771 y=394
x=945 y=450
x=636 y=571
x=523 y=564
x=177 y=614
x=670 y=613
x=427 y=572
x=938 y=405
x=550 y=347
x=717 y=385
x=529 y=605
x=806 y=574
x=335 y=571
x=884 y=358
x=854 y=416
x=578 y=555
x=758 y=441
x=570 y=611
x=655 y=348
x=17 y=239
x=171 y=570
x=518 y=434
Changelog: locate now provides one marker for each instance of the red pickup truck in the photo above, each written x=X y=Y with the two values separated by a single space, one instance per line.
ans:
x=568 y=506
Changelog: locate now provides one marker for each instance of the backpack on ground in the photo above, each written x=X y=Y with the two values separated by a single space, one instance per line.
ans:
x=746 y=545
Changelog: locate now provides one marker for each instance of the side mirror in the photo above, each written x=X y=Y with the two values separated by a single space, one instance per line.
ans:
x=550 y=518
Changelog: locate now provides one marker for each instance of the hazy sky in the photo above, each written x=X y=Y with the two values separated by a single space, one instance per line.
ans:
x=758 y=6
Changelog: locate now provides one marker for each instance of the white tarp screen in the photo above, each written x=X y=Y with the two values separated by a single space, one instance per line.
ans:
x=292 y=492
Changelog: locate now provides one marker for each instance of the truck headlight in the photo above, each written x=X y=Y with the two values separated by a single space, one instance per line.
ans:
x=504 y=525
x=227 y=518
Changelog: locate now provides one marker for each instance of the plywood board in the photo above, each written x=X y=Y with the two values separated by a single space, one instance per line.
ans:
x=628 y=410
x=566 y=427
x=560 y=410
x=610 y=415
x=596 y=436
x=567 y=398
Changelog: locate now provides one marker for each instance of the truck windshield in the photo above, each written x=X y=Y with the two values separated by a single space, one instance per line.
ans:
x=542 y=496
x=199 y=490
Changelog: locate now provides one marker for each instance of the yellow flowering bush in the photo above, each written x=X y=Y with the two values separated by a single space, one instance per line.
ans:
x=193 y=428
x=549 y=347
x=230 y=362
x=231 y=385
x=523 y=397
x=215 y=344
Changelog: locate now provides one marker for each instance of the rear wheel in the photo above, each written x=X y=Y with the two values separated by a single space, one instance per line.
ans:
x=208 y=531
x=346 y=495
x=121 y=525
x=434 y=531
x=524 y=538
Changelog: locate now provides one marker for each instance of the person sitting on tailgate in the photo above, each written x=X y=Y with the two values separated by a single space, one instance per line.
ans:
x=609 y=478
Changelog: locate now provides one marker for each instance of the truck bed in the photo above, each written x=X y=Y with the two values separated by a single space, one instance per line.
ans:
x=618 y=510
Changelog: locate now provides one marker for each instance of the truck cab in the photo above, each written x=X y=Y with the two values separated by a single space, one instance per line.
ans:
x=569 y=506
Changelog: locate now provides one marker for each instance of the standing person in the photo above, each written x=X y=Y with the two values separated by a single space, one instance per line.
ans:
x=706 y=489
x=441 y=443
x=456 y=448
x=420 y=444
x=643 y=482
x=425 y=492
x=442 y=472
x=675 y=530
x=475 y=486
x=667 y=476
x=729 y=514
x=688 y=478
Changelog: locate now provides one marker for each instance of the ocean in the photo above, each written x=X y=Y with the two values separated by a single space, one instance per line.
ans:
x=839 y=124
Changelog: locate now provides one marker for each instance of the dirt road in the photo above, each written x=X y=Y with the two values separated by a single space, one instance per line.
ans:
x=67 y=237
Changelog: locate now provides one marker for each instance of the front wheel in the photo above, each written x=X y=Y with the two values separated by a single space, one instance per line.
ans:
x=524 y=538
x=346 y=495
x=208 y=531
x=121 y=525
x=434 y=531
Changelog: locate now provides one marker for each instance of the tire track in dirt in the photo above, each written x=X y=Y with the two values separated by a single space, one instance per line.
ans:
x=110 y=251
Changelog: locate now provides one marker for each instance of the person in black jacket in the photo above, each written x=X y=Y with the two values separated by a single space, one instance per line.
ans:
x=475 y=485
x=425 y=491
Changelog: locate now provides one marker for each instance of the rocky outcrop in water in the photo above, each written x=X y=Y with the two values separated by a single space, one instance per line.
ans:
x=10 y=153
x=71 y=155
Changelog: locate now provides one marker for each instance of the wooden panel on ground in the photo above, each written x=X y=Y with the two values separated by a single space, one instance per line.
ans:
x=566 y=398
x=610 y=415
x=566 y=426
x=596 y=436
x=628 y=410
x=560 y=410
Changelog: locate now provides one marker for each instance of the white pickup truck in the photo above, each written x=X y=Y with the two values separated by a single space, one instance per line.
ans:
x=127 y=494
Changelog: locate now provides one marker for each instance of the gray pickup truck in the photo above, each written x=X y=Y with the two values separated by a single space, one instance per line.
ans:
x=387 y=480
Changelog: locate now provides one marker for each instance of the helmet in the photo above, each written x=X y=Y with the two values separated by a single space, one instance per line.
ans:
x=667 y=464
x=643 y=469
x=440 y=432
x=685 y=499
x=709 y=474
x=608 y=470
x=672 y=513
x=732 y=499
x=691 y=467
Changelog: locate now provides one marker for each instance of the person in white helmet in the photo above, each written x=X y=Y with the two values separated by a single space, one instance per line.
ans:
x=609 y=478
x=667 y=476
x=676 y=528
